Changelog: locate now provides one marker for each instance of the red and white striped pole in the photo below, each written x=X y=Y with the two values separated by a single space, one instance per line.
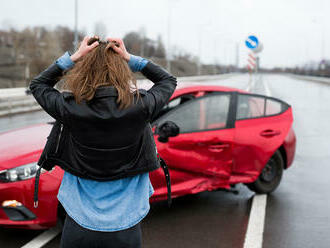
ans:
x=251 y=62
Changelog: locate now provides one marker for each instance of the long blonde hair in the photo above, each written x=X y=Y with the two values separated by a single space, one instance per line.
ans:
x=101 y=67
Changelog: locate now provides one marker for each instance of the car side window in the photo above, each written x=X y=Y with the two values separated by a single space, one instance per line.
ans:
x=251 y=106
x=205 y=113
x=273 y=107
x=174 y=103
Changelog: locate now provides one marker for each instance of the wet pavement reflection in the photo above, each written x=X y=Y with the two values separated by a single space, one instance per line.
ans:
x=297 y=212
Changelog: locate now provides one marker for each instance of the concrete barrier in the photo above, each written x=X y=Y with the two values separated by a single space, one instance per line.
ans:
x=12 y=92
x=311 y=78
x=15 y=100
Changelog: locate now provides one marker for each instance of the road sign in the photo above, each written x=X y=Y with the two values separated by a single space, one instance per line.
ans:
x=259 y=48
x=252 y=42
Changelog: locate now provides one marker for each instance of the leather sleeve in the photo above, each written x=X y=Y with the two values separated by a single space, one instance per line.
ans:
x=50 y=99
x=159 y=94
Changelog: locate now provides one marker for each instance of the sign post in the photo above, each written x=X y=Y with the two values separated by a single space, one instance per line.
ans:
x=255 y=46
x=252 y=43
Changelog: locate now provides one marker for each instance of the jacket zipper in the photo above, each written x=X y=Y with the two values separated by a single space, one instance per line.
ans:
x=59 y=138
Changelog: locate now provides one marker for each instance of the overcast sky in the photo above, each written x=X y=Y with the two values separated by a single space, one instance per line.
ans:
x=292 y=31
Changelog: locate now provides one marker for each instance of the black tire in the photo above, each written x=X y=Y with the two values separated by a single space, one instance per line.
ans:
x=270 y=177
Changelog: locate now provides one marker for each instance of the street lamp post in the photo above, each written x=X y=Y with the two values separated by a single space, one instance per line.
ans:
x=142 y=43
x=168 y=53
x=237 y=56
x=323 y=32
x=199 y=56
x=231 y=41
x=75 y=42
x=203 y=28
x=215 y=57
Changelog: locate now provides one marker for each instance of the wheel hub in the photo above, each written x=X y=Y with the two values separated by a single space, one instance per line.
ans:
x=269 y=172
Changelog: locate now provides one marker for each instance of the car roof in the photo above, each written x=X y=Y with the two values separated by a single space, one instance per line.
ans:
x=193 y=87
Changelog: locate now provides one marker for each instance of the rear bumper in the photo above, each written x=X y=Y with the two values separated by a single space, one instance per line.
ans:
x=28 y=217
x=290 y=147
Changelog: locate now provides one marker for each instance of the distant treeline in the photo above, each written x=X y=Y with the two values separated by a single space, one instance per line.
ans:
x=320 y=70
x=25 y=53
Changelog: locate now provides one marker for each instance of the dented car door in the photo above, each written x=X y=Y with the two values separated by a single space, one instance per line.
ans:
x=200 y=157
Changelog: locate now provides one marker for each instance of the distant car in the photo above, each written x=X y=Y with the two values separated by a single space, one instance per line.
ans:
x=227 y=136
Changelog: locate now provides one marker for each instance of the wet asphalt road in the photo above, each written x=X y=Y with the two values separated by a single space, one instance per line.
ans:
x=296 y=213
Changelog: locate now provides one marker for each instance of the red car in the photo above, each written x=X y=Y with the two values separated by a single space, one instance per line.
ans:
x=227 y=136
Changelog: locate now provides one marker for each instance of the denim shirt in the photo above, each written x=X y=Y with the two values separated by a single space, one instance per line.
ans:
x=106 y=206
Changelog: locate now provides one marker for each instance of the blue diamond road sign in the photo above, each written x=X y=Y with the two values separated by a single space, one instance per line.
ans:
x=252 y=42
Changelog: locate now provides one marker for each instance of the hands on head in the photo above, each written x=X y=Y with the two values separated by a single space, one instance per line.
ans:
x=120 y=49
x=85 y=48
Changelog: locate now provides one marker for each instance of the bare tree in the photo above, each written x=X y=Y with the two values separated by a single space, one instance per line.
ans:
x=160 y=49
x=132 y=42
x=66 y=37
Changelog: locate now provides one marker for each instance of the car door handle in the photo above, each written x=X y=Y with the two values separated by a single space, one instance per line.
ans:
x=218 y=147
x=270 y=133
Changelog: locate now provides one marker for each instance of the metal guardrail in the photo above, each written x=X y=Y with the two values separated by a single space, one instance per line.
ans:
x=15 y=100
x=311 y=78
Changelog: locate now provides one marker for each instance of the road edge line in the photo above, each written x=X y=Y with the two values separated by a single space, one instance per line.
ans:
x=43 y=238
x=255 y=229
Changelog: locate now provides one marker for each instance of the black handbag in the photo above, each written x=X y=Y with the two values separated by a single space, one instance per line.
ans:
x=51 y=147
x=50 y=156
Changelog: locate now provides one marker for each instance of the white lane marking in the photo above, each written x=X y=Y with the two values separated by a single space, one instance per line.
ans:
x=249 y=87
x=255 y=229
x=266 y=86
x=43 y=238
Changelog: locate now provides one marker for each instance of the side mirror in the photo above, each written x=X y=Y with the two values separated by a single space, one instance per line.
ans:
x=166 y=130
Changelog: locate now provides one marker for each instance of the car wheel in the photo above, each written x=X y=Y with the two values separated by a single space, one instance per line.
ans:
x=270 y=176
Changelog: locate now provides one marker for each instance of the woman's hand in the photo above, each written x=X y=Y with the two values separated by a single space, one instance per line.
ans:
x=83 y=49
x=120 y=49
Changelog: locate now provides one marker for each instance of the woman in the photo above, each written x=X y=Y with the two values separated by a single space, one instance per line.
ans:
x=109 y=148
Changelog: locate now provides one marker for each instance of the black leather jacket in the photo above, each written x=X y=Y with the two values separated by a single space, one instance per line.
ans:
x=101 y=141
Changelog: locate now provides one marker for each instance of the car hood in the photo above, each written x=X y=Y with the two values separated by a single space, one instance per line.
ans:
x=22 y=146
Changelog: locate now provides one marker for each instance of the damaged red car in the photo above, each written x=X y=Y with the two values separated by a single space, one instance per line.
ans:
x=226 y=136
